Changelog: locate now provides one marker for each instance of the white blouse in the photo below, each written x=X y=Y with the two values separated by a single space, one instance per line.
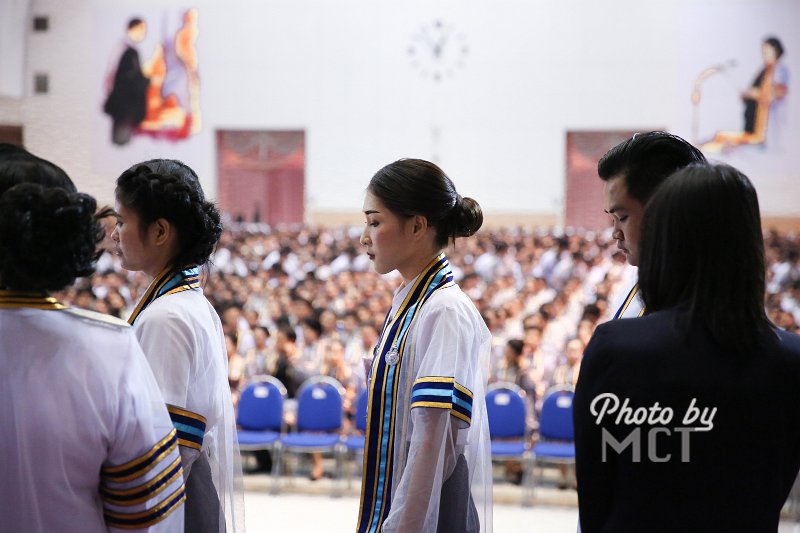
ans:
x=86 y=443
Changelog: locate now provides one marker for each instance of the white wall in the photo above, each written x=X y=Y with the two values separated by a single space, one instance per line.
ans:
x=341 y=71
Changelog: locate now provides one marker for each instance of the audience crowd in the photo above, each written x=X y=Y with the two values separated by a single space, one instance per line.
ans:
x=298 y=302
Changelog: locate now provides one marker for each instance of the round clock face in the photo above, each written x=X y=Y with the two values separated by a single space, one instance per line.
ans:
x=437 y=50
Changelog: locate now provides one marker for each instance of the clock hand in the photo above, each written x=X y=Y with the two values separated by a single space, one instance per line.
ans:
x=439 y=46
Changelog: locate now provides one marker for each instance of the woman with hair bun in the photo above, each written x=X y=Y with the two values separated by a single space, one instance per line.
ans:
x=426 y=457
x=86 y=442
x=167 y=229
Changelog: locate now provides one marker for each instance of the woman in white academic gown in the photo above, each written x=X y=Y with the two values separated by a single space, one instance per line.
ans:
x=86 y=443
x=427 y=458
x=167 y=229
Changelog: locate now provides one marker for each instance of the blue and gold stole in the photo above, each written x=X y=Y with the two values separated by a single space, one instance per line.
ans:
x=167 y=282
x=376 y=487
x=33 y=300
x=624 y=307
x=190 y=427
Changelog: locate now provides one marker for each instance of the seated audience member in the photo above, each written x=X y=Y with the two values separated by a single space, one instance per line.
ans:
x=567 y=374
x=236 y=368
x=711 y=431
x=257 y=357
x=283 y=363
x=83 y=421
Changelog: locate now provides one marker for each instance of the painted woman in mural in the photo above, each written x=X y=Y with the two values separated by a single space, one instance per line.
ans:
x=762 y=102
x=160 y=96
x=126 y=102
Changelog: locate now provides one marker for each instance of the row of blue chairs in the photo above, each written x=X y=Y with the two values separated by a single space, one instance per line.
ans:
x=506 y=409
x=319 y=422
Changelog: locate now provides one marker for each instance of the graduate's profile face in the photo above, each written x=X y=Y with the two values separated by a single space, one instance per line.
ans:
x=131 y=241
x=626 y=217
x=385 y=236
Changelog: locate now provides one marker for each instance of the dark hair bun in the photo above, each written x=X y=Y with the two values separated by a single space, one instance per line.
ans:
x=169 y=189
x=48 y=237
x=467 y=217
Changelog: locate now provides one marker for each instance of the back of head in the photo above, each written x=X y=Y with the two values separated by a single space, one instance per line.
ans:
x=169 y=189
x=646 y=160
x=410 y=187
x=47 y=237
x=702 y=249
x=17 y=165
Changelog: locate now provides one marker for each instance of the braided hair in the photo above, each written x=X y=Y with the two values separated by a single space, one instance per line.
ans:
x=47 y=237
x=169 y=189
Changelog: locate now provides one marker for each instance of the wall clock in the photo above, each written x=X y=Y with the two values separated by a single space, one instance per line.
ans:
x=437 y=50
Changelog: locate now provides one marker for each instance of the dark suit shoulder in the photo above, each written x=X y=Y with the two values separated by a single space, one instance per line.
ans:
x=635 y=335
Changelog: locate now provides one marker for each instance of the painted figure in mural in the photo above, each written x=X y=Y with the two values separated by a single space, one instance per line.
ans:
x=173 y=101
x=83 y=419
x=427 y=459
x=660 y=401
x=763 y=102
x=126 y=102
x=167 y=229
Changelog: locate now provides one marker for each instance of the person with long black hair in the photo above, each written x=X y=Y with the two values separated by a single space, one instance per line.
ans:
x=686 y=419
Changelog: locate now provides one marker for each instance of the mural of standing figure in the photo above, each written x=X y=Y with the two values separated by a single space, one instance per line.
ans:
x=126 y=103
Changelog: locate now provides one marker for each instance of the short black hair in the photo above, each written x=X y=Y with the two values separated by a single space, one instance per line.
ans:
x=646 y=160
x=169 y=189
x=48 y=237
x=516 y=345
x=776 y=44
x=702 y=249
x=132 y=23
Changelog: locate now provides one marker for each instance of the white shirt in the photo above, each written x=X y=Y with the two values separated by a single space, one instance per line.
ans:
x=448 y=340
x=181 y=336
x=77 y=400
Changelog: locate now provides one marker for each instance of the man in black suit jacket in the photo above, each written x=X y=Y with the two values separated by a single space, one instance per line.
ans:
x=688 y=419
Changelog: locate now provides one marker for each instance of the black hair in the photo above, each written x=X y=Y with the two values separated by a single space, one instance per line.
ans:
x=169 y=189
x=702 y=249
x=132 y=23
x=776 y=44
x=288 y=331
x=516 y=346
x=47 y=237
x=314 y=325
x=17 y=165
x=410 y=187
x=646 y=160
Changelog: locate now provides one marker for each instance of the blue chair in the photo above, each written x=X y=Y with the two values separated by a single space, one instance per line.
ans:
x=353 y=445
x=260 y=417
x=506 y=410
x=556 y=443
x=319 y=419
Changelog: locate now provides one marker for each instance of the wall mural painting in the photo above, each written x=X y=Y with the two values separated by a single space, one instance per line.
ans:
x=763 y=112
x=153 y=88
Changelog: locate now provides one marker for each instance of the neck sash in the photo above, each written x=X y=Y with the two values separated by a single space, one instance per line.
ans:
x=379 y=446
x=624 y=307
x=167 y=282
x=33 y=300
